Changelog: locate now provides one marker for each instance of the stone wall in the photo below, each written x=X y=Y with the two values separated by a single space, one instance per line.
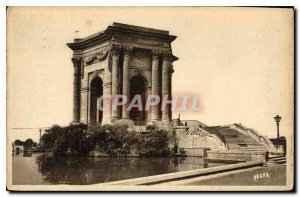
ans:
x=193 y=141
x=237 y=155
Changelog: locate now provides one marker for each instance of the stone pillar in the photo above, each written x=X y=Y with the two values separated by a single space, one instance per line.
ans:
x=115 y=52
x=155 y=85
x=165 y=86
x=84 y=99
x=171 y=71
x=76 y=89
x=106 y=95
x=126 y=84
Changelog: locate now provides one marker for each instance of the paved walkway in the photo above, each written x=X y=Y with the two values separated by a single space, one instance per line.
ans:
x=186 y=175
x=268 y=175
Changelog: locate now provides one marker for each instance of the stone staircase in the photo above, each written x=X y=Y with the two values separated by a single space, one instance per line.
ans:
x=255 y=135
x=277 y=160
x=236 y=140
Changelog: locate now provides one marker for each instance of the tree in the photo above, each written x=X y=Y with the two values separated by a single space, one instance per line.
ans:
x=18 y=142
x=28 y=142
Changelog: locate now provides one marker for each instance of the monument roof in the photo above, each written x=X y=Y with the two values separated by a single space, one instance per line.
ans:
x=140 y=28
x=80 y=43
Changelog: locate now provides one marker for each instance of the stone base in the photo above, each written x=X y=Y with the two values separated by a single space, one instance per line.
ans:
x=74 y=123
x=106 y=121
x=153 y=122
x=127 y=122
x=160 y=124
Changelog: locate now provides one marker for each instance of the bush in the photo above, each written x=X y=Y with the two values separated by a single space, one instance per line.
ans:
x=67 y=140
x=113 y=140
x=155 y=143
x=150 y=127
x=110 y=140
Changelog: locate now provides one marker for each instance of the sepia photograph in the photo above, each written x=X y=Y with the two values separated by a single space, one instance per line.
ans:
x=150 y=98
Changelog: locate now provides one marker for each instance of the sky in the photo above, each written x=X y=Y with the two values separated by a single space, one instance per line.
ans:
x=238 y=61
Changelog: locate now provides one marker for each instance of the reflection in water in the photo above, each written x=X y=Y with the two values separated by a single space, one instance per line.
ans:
x=45 y=169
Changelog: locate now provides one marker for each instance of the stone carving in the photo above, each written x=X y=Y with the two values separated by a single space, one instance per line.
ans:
x=97 y=57
x=156 y=54
x=171 y=69
x=136 y=71
x=76 y=61
x=115 y=50
x=96 y=73
x=101 y=56
x=167 y=56
x=127 y=51
x=89 y=59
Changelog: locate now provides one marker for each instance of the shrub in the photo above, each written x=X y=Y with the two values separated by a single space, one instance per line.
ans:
x=150 y=127
x=155 y=143
x=111 y=140
x=67 y=139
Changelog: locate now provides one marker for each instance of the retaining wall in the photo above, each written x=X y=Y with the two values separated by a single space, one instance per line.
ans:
x=237 y=155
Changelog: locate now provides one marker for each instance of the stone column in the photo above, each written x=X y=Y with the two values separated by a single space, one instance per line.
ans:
x=155 y=84
x=84 y=99
x=171 y=71
x=165 y=86
x=126 y=83
x=106 y=95
x=115 y=52
x=76 y=89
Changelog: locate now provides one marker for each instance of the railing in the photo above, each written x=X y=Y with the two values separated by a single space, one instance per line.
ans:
x=219 y=136
x=258 y=137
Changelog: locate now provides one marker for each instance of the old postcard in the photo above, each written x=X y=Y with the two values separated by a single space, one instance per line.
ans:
x=150 y=99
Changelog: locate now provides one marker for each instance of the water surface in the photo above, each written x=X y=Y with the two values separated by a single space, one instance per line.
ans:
x=43 y=168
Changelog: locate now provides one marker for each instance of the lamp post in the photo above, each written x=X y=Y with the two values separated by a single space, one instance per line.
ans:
x=40 y=130
x=277 y=120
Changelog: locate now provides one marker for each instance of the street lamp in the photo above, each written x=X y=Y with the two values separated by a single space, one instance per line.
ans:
x=40 y=136
x=277 y=120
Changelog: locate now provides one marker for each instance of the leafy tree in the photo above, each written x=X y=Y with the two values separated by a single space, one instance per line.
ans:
x=18 y=142
x=48 y=140
x=112 y=140
x=28 y=142
x=155 y=143
x=77 y=139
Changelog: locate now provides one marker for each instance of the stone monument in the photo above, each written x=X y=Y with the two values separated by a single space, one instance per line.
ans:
x=122 y=60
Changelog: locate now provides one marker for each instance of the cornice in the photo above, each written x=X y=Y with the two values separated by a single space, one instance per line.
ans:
x=107 y=34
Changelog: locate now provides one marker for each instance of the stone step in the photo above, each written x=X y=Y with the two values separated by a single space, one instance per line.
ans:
x=272 y=164
x=249 y=150
x=242 y=142
x=252 y=149
x=239 y=147
x=245 y=147
x=248 y=145
x=278 y=159
x=277 y=162
x=283 y=160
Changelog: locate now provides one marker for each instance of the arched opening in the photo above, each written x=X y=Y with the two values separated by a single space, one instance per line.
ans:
x=96 y=91
x=138 y=88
